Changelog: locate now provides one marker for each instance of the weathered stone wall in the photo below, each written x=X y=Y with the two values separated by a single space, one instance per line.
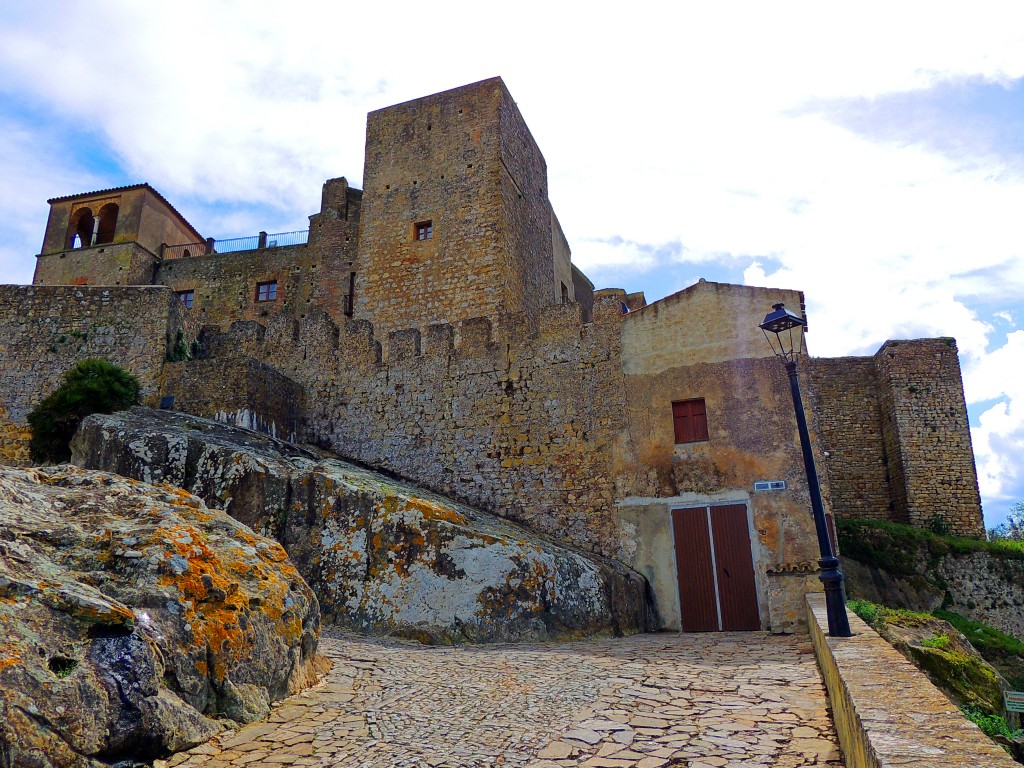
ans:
x=562 y=264
x=583 y=290
x=109 y=264
x=886 y=711
x=519 y=423
x=886 y=568
x=844 y=395
x=927 y=435
x=237 y=391
x=465 y=161
x=313 y=275
x=527 y=216
x=547 y=429
x=895 y=426
x=44 y=330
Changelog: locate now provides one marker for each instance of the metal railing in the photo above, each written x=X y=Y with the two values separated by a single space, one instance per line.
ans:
x=183 y=251
x=281 y=239
x=235 y=244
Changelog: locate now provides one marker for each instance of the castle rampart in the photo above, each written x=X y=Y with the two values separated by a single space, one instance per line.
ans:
x=896 y=428
x=433 y=325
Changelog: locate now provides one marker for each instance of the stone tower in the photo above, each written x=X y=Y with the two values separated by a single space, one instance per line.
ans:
x=456 y=221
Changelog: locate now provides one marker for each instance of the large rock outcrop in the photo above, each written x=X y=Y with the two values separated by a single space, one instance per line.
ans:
x=132 y=615
x=381 y=555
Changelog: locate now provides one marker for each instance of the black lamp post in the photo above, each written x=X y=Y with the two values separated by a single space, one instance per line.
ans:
x=780 y=322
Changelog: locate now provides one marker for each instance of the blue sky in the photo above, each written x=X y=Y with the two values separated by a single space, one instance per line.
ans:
x=871 y=156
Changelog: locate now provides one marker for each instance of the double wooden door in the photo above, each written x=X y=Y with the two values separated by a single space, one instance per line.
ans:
x=717 y=591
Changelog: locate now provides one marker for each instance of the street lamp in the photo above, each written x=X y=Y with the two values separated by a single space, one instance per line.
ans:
x=780 y=323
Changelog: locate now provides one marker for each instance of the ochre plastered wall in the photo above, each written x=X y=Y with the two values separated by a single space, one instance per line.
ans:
x=687 y=346
x=145 y=221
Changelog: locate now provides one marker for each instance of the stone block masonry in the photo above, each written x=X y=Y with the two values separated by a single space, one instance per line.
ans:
x=455 y=221
x=519 y=423
x=918 y=728
x=317 y=274
x=844 y=394
x=896 y=427
x=44 y=330
x=241 y=392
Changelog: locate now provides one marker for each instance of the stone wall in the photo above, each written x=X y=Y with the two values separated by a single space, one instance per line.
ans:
x=918 y=728
x=44 y=330
x=109 y=264
x=520 y=423
x=896 y=428
x=237 y=391
x=928 y=439
x=317 y=274
x=464 y=161
x=844 y=394
x=551 y=427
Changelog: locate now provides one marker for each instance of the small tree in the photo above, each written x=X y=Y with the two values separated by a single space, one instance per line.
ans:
x=1013 y=528
x=89 y=386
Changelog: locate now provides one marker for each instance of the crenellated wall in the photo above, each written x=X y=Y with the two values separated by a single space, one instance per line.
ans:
x=519 y=423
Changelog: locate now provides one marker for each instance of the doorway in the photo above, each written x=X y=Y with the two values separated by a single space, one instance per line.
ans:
x=717 y=591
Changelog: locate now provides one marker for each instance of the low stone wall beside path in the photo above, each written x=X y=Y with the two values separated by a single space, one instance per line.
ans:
x=887 y=713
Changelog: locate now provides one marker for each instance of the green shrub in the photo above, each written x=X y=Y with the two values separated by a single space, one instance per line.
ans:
x=866 y=610
x=89 y=386
x=991 y=725
x=937 y=641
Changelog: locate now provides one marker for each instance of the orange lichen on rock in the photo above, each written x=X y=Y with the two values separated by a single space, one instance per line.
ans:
x=432 y=511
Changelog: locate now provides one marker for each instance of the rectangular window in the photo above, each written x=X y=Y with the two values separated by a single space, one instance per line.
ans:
x=186 y=297
x=424 y=230
x=689 y=417
x=565 y=294
x=266 y=291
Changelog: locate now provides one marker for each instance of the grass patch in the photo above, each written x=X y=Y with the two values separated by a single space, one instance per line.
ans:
x=886 y=544
x=982 y=635
x=875 y=615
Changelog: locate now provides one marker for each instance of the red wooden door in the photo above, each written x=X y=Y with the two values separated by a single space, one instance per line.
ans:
x=715 y=569
x=734 y=568
x=697 y=604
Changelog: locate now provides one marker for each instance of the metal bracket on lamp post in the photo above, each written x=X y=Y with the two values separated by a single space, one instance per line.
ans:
x=777 y=321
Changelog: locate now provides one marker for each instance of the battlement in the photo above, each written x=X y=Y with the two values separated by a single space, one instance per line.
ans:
x=356 y=341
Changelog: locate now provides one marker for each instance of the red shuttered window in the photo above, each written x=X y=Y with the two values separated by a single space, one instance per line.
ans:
x=690 y=419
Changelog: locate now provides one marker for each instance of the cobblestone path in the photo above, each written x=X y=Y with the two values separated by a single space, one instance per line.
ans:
x=707 y=700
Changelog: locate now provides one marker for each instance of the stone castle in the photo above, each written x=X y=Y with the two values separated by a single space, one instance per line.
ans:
x=433 y=325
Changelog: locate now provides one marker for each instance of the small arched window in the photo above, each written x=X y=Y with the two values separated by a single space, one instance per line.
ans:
x=80 y=231
x=108 y=223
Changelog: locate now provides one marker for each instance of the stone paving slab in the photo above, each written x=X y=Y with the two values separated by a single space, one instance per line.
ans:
x=715 y=700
